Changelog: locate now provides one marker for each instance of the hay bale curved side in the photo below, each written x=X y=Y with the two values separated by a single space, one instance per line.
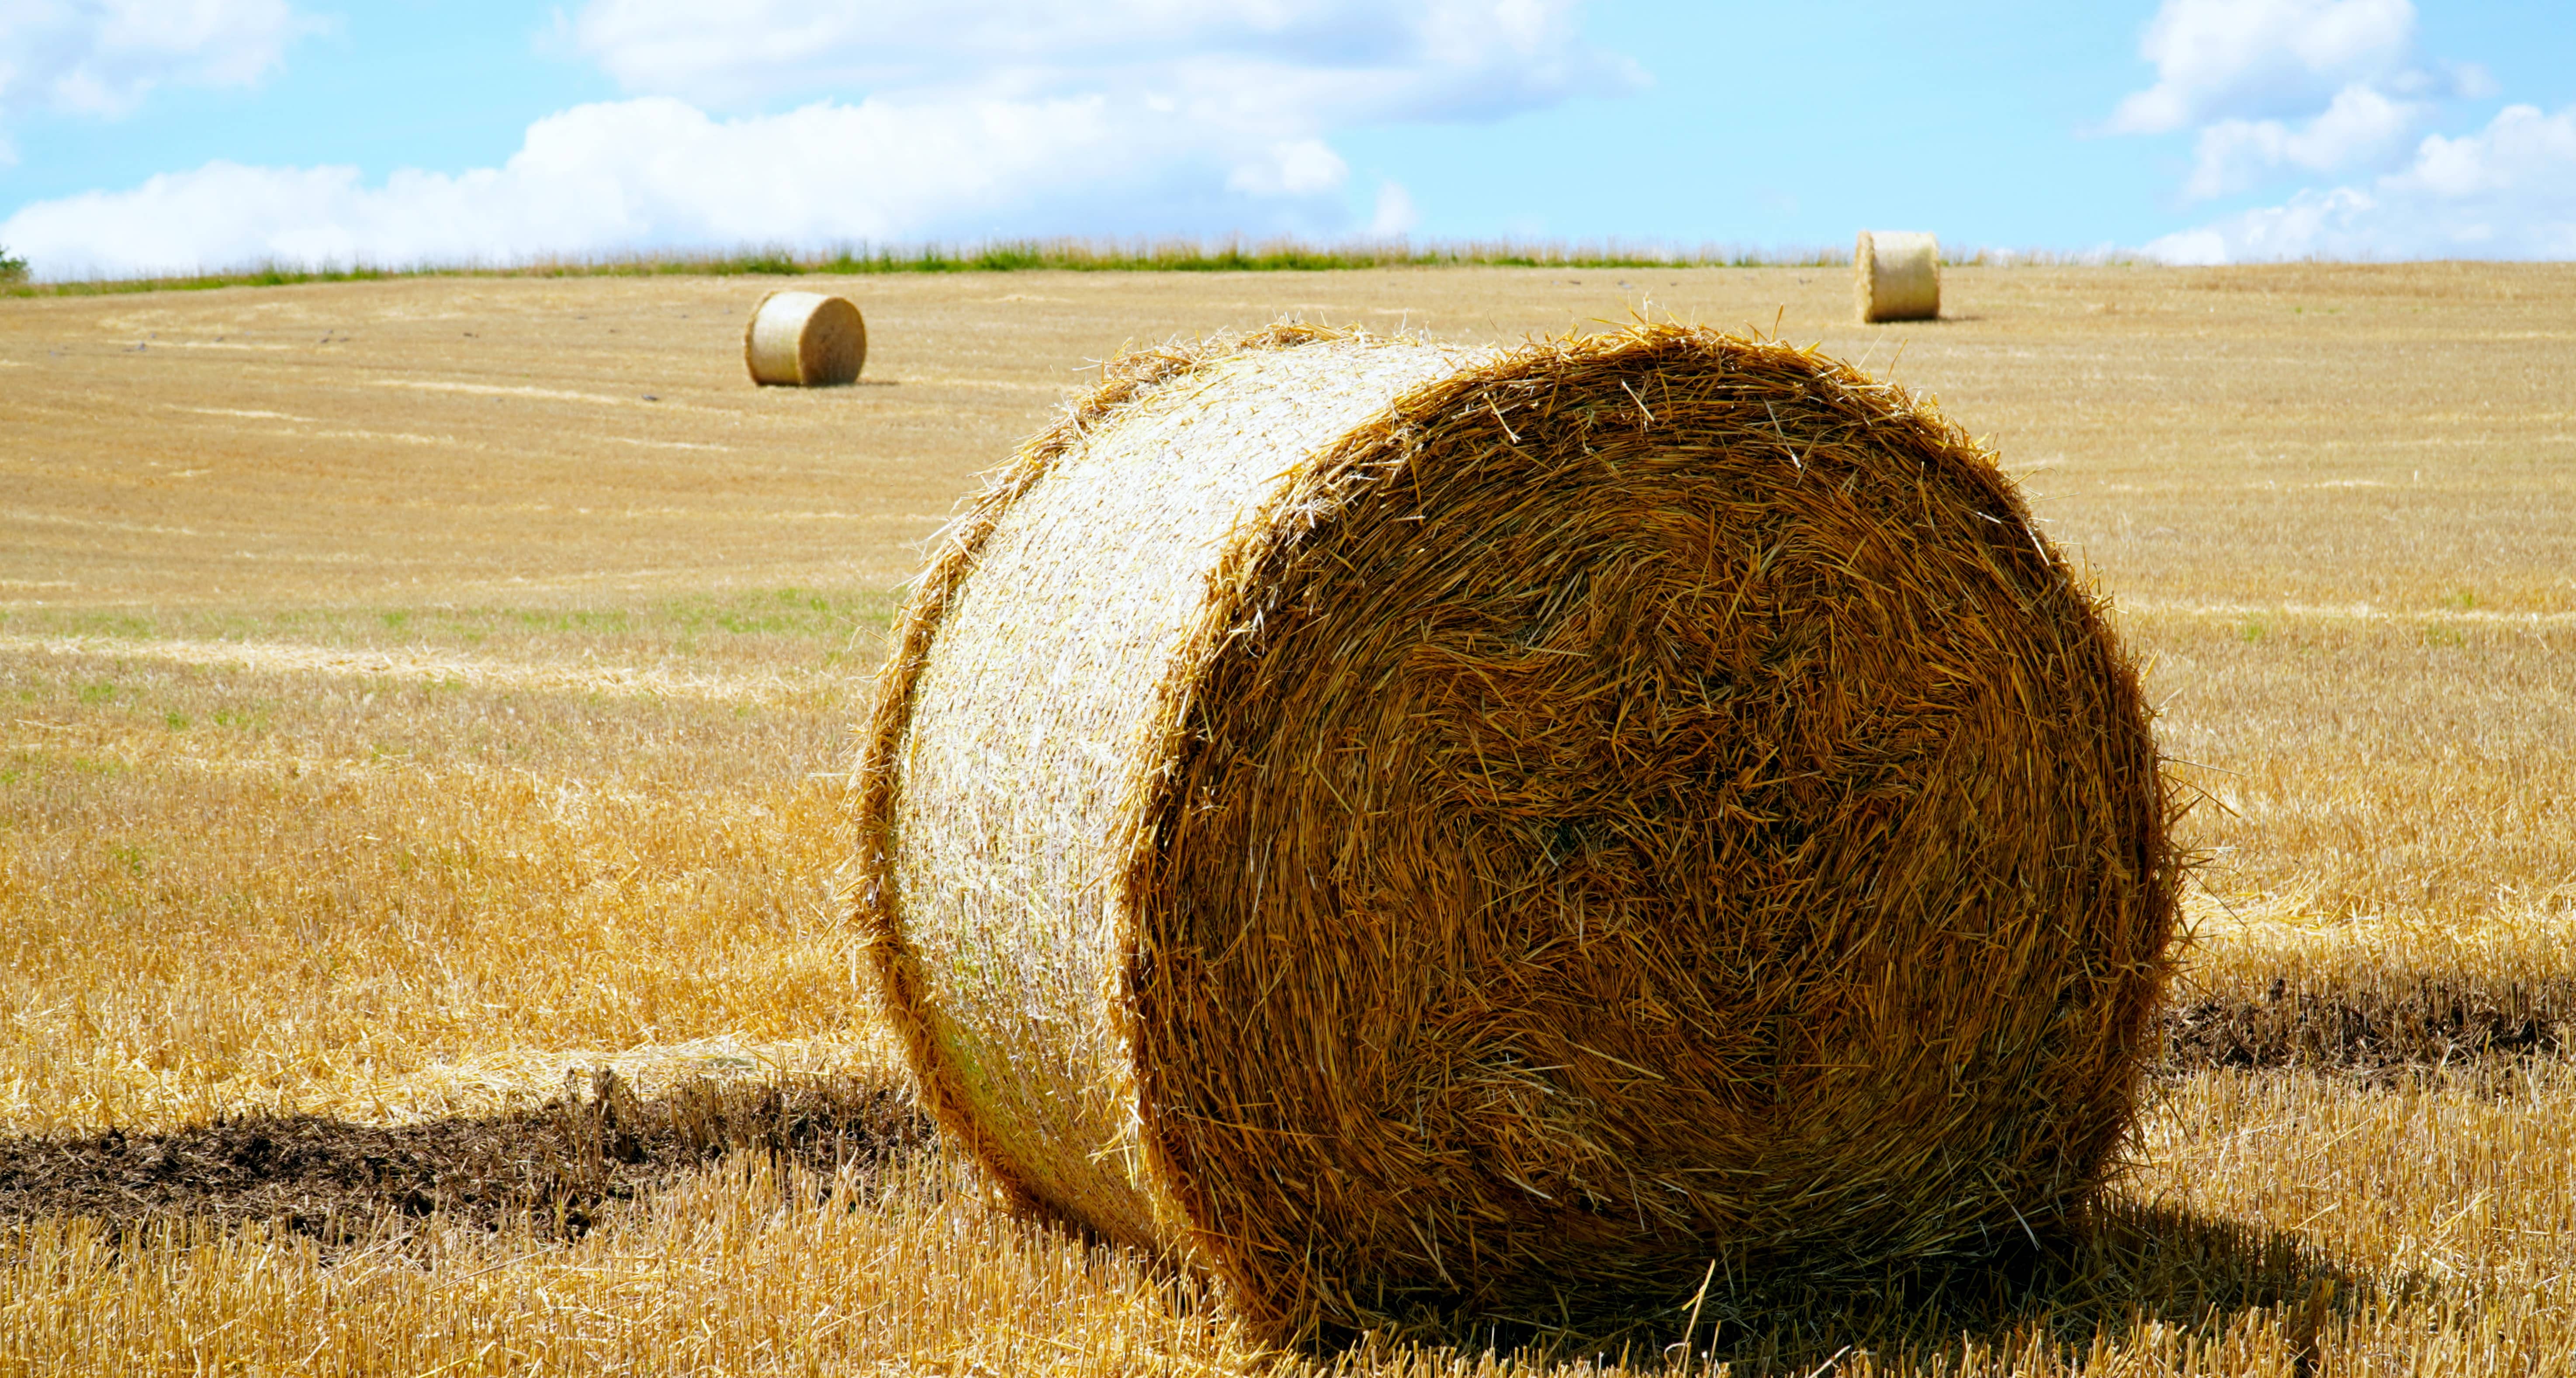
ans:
x=1089 y=579
x=804 y=339
x=1896 y=276
x=1414 y=829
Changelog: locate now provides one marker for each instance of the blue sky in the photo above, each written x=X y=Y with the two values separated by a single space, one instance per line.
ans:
x=171 y=135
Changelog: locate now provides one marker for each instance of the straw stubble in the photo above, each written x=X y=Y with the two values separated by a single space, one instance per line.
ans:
x=1410 y=829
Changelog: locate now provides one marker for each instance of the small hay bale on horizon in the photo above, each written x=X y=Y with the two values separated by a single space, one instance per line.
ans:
x=1414 y=831
x=804 y=339
x=1896 y=276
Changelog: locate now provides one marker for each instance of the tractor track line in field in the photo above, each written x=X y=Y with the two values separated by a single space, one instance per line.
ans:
x=421 y=665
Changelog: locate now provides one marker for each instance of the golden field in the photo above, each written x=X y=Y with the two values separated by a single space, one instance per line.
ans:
x=412 y=691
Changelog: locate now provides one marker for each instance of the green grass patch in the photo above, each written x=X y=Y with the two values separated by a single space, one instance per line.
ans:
x=198 y=282
x=791 y=612
x=123 y=625
x=1231 y=255
x=251 y=718
x=827 y=619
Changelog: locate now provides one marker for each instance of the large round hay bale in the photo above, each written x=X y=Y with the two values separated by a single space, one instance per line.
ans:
x=805 y=340
x=1416 y=829
x=1896 y=276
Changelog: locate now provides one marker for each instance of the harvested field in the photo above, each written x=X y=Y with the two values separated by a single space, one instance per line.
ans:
x=409 y=700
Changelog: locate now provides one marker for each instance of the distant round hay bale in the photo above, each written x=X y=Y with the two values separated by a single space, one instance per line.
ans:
x=1896 y=276
x=1419 y=830
x=806 y=340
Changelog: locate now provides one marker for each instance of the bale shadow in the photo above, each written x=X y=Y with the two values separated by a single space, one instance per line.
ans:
x=553 y=1168
x=2120 y=1268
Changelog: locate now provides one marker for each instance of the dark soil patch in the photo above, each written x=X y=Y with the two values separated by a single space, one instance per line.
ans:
x=556 y=1165
x=553 y=1166
x=2396 y=1023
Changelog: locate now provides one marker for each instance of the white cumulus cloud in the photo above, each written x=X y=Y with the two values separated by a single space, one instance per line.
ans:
x=2336 y=94
x=2506 y=191
x=640 y=174
x=2220 y=59
x=2283 y=87
x=1293 y=61
x=917 y=121
x=1394 y=217
x=102 y=57
x=2362 y=126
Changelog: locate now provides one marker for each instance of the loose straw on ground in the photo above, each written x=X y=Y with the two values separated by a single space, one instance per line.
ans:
x=805 y=339
x=1896 y=276
x=1408 y=830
